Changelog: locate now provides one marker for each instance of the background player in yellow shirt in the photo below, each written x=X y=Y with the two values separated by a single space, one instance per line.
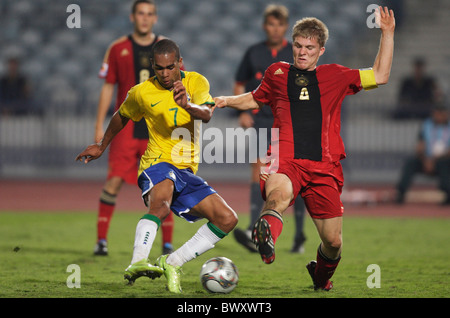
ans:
x=171 y=100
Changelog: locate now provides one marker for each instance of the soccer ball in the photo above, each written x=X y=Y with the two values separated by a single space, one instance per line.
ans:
x=219 y=275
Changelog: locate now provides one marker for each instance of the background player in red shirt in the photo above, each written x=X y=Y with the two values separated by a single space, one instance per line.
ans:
x=256 y=60
x=306 y=101
x=126 y=63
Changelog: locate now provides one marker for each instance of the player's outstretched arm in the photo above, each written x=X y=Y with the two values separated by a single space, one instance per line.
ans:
x=94 y=151
x=383 y=61
x=240 y=102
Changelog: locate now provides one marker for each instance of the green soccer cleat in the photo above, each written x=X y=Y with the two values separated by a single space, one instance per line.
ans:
x=172 y=273
x=142 y=268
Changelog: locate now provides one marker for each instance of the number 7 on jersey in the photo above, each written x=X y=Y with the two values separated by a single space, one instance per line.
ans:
x=175 y=109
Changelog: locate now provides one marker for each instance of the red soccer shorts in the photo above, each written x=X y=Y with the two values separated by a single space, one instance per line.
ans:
x=125 y=152
x=319 y=183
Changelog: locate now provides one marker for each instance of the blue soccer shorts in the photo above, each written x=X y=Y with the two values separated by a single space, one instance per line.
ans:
x=189 y=189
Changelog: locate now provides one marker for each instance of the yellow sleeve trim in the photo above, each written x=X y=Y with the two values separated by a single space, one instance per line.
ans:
x=367 y=79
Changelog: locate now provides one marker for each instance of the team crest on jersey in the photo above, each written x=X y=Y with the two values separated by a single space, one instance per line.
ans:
x=188 y=97
x=301 y=81
x=144 y=59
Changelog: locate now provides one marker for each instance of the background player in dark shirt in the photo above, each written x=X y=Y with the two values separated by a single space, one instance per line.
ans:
x=14 y=91
x=126 y=63
x=256 y=60
x=306 y=100
x=419 y=93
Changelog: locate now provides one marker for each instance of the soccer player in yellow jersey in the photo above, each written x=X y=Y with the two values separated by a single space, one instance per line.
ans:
x=163 y=115
x=173 y=103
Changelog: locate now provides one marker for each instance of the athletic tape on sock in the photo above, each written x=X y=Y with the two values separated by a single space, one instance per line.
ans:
x=326 y=258
x=216 y=230
x=272 y=213
x=108 y=198
x=153 y=218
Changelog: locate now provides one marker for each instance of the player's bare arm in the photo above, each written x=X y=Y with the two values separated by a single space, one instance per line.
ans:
x=202 y=112
x=239 y=102
x=383 y=61
x=106 y=95
x=94 y=151
x=245 y=119
x=104 y=103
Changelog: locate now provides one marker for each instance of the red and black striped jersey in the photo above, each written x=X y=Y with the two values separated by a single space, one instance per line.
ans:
x=126 y=64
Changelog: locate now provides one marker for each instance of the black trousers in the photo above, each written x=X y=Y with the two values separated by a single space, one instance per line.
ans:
x=414 y=165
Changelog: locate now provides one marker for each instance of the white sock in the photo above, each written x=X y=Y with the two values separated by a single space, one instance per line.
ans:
x=206 y=237
x=143 y=241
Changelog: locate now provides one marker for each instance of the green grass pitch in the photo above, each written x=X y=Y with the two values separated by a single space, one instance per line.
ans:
x=36 y=250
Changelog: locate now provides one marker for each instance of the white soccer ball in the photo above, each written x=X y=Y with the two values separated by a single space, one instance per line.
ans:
x=219 y=275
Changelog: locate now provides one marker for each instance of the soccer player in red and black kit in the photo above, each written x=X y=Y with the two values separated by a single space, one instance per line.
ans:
x=256 y=60
x=306 y=103
x=126 y=63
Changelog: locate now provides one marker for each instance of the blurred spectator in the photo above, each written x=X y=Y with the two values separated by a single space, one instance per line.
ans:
x=432 y=154
x=14 y=91
x=419 y=93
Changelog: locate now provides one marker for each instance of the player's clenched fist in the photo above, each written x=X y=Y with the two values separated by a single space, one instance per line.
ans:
x=220 y=102
x=179 y=94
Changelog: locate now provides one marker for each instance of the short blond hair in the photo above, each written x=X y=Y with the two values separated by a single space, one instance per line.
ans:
x=311 y=28
x=279 y=12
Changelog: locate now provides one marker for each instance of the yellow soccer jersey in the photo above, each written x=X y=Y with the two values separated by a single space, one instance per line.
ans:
x=173 y=133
